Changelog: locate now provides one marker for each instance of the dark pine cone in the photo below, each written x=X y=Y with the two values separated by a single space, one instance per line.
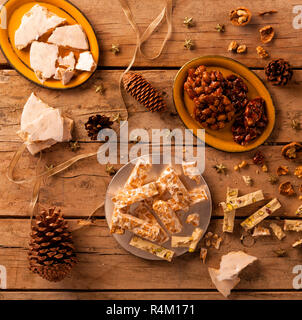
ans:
x=143 y=92
x=236 y=90
x=95 y=124
x=278 y=72
x=200 y=81
x=51 y=254
x=213 y=110
x=251 y=124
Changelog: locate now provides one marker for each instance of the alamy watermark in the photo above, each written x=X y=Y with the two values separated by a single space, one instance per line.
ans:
x=3 y=278
x=297 y=21
x=148 y=144
x=297 y=281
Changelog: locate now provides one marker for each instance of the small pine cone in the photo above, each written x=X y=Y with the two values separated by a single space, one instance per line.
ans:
x=51 y=254
x=200 y=81
x=95 y=124
x=236 y=90
x=279 y=72
x=213 y=110
x=143 y=92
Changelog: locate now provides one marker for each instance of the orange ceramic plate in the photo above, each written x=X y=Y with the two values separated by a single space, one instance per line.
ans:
x=222 y=139
x=19 y=59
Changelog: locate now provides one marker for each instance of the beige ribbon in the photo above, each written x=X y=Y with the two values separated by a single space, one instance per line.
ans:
x=167 y=13
x=37 y=179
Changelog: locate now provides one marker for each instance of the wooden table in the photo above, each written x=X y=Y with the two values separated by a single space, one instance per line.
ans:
x=105 y=270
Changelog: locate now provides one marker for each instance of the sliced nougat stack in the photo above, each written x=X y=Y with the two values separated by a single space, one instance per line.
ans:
x=43 y=58
x=43 y=126
x=72 y=36
x=34 y=24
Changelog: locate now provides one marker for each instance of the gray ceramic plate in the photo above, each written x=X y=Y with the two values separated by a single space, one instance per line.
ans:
x=203 y=208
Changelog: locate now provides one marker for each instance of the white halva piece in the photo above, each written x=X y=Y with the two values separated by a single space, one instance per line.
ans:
x=226 y=277
x=65 y=75
x=34 y=24
x=43 y=126
x=67 y=61
x=72 y=36
x=86 y=62
x=43 y=58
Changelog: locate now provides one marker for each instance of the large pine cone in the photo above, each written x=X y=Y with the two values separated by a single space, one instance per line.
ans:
x=200 y=81
x=143 y=92
x=95 y=124
x=51 y=254
x=213 y=110
x=236 y=90
x=279 y=72
x=251 y=124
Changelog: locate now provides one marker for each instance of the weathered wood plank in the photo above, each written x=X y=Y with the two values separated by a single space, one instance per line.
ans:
x=81 y=103
x=89 y=180
x=141 y=295
x=112 y=28
x=104 y=265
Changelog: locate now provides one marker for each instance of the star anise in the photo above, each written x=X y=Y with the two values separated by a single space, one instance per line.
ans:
x=220 y=27
x=189 y=44
x=188 y=22
x=220 y=168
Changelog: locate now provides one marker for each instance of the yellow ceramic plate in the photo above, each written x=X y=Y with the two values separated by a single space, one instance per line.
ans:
x=222 y=139
x=19 y=59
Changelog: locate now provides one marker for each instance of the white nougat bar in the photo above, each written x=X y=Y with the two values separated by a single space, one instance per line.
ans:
x=190 y=170
x=292 y=225
x=278 y=232
x=196 y=235
x=138 y=175
x=261 y=214
x=197 y=195
x=141 y=227
x=190 y=242
x=243 y=201
x=229 y=216
x=127 y=197
x=167 y=216
x=152 y=248
x=169 y=180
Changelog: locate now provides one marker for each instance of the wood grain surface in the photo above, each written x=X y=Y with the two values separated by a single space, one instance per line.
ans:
x=105 y=270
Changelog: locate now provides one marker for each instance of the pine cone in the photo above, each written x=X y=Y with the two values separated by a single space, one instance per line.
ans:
x=51 y=254
x=143 y=92
x=95 y=124
x=236 y=90
x=278 y=72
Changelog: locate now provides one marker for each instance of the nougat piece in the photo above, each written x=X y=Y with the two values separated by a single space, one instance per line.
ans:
x=34 y=24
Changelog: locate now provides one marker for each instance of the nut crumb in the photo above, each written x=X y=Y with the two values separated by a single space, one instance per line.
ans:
x=242 y=48
x=262 y=52
x=282 y=170
x=264 y=168
x=267 y=34
x=298 y=172
x=248 y=180
x=287 y=189
x=233 y=46
x=243 y=164
x=203 y=254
